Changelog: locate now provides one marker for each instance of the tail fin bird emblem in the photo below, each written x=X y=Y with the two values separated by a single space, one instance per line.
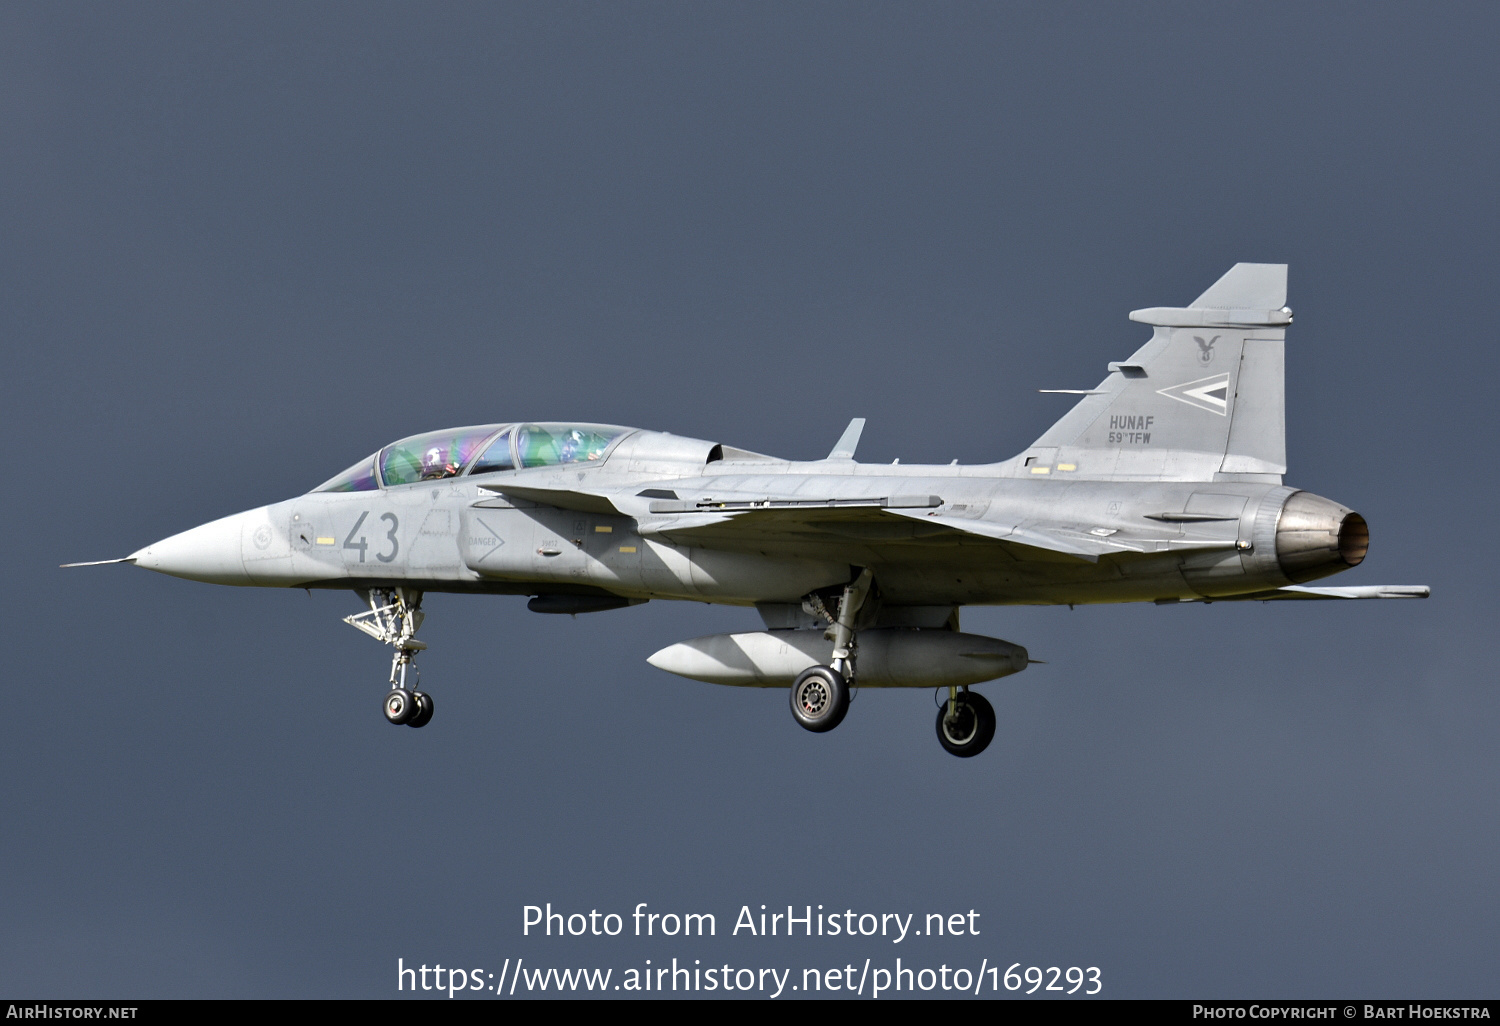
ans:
x=1205 y=349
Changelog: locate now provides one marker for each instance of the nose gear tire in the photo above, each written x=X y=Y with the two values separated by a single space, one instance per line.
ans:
x=399 y=705
x=424 y=709
x=970 y=728
x=820 y=698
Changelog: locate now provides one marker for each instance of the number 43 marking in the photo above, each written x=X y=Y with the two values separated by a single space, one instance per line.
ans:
x=362 y=545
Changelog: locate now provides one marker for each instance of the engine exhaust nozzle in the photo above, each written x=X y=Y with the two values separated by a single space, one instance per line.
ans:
x=1316 y=537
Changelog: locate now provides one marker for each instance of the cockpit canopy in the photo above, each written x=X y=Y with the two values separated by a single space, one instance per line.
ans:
x=431 y=456
x=476 y=450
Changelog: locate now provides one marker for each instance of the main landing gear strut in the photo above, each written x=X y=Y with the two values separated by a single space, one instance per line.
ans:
x=394 y=618
x=820 y=694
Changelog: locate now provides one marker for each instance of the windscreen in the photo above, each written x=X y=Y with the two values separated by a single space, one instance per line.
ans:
x=358 y=478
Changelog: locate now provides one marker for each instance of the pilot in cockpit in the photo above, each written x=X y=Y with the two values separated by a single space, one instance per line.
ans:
x=435 y=465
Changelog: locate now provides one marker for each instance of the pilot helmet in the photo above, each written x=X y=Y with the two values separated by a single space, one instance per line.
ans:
x=433 y=463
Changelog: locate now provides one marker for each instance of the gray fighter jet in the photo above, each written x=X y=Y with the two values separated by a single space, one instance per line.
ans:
x=1163 y=484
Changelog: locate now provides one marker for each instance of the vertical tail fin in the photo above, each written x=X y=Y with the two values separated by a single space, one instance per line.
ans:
x=1203 y=400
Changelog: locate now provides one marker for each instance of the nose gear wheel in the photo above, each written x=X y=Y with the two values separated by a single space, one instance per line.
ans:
x=424 y=709
x=400 y=706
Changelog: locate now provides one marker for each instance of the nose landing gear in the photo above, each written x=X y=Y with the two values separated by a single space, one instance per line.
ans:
x=394 y=618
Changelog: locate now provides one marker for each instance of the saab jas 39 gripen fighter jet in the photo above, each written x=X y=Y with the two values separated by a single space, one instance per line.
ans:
x=1163 y=484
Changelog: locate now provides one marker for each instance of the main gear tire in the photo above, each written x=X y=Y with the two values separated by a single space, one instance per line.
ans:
x=970 y=728
x=399 y=705
x=820 y=698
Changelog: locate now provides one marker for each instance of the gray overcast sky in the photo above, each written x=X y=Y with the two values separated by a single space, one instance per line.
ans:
x=243 y=245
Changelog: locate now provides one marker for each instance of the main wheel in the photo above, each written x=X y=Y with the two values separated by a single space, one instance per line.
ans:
x=400 y=705
x=820 y=698
x=970 y=728
x=424 y=709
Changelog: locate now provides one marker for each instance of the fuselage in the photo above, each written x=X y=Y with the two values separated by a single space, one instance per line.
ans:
x=465 y=528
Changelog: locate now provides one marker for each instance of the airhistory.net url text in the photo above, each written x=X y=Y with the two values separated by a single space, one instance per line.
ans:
x=847 y=980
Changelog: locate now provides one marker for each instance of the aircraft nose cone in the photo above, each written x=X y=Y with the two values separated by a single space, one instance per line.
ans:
x=209 y=552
